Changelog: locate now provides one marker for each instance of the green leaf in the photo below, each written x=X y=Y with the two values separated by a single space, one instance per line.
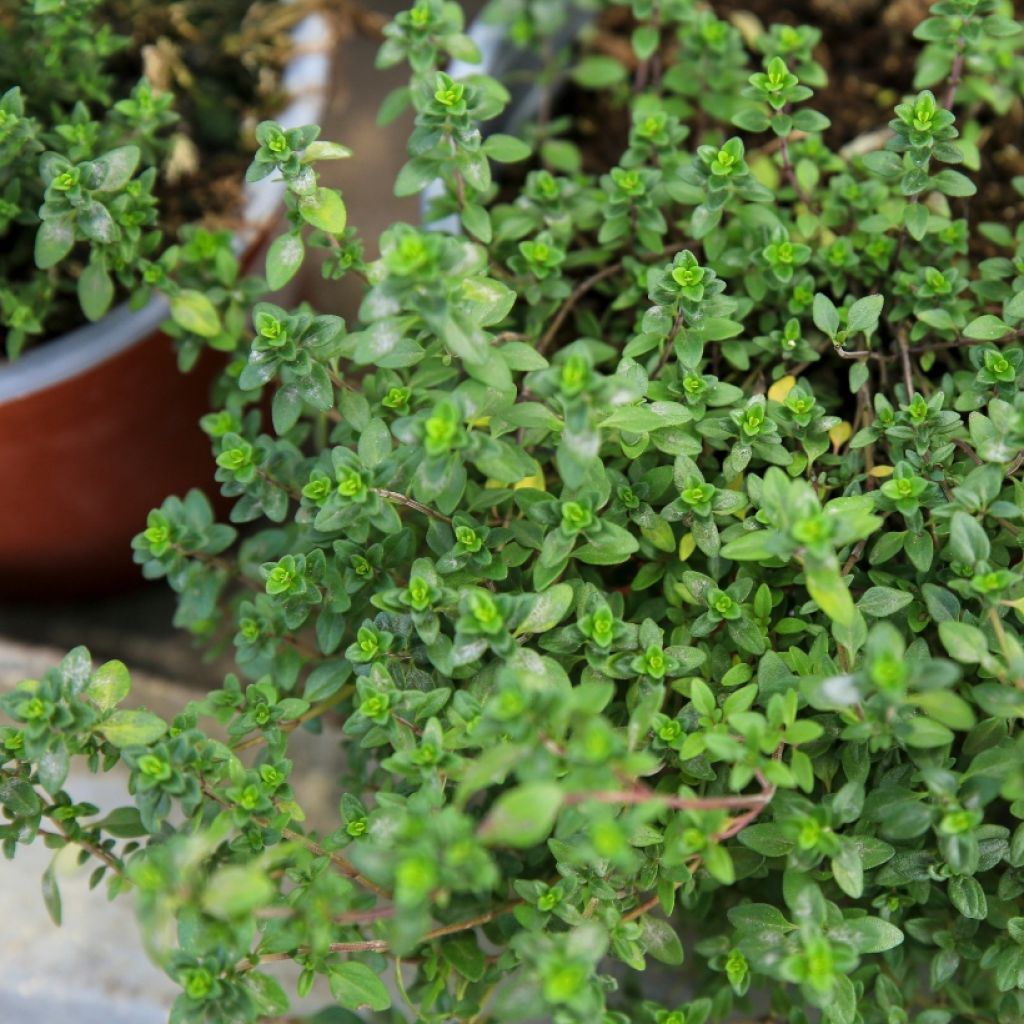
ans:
x=523 y=816
x=863 y=315
x=355 y=986
x=915 y=216
x=826 y=316
x=767 y=840
x=547 y=609
x=757 y=917
x=133 y=728
x=614 y=545
x=645 y=41
x=986 y=328
x=95 y=290
x=109 y=685
x=882 y=602
x=719 y=865
x=562 y=155
x=284 y=258
x=236 y=890
x=967 y=895
x=115 y=168
x=869 y=934
x=393 y=105
x=599 y=72
x=124 y=823
x=755 y=546
x=953 y=183
x=830 y=594
x=323 y=150
x=946 y=707
x=702 y=697
x=807 y=120
x=324 y=209
x=660 y=940
x=924 y=734
x=51 y=893
x=751 y=120
x=268 y=992
x=465 y=955
x=848 y=870
x=963 y=642
x=415 y=176
x=52 y=768
x=194 y=312
x=375 y=443
x=506 y=149
x=477 y=221
x=54 y=240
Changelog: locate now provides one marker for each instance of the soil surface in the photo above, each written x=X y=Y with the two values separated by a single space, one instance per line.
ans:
x=223 y=59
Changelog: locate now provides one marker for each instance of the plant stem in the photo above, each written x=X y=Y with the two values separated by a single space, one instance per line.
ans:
x=908 y=369
x=570 y=303
x=956 y=72
x=676 y=803
x=382 y=946
x=407 y=502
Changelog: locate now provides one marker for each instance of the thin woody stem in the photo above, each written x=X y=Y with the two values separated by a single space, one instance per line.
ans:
x=676 y=803
x=382 y=946
x=407 y=502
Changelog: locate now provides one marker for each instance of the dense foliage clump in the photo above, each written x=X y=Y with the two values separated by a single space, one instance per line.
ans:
x=654 y=541
x=119 y=120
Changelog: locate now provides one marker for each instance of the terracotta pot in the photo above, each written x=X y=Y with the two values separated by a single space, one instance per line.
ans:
x=98 y=426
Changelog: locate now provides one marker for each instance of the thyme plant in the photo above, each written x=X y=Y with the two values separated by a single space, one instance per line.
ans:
x=651 y=546
x=105 y=107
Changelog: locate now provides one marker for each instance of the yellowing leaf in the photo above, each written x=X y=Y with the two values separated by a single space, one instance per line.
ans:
x=480 y=421
x=765 y=171
x=880 y=471
x=781 y=388
x=687 y=545
x=840 y=433
x=536 y=481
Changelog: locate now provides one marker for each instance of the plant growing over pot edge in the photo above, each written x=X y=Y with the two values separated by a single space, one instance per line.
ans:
x=656 y=541
x=119 y=123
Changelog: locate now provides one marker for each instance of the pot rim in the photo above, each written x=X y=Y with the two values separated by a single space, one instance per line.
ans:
x=75 y=352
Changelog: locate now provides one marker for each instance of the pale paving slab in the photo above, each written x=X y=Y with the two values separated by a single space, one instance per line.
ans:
x=93 y=969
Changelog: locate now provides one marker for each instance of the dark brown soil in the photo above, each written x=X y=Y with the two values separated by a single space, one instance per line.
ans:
x=223 y=59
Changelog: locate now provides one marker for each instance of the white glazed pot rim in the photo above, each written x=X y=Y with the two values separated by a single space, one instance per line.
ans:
x=78 y=351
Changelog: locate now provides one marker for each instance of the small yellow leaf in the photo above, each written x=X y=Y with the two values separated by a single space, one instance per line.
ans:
x=687 y=545
x=781 y=388
x=765 y=171
x=536 y=481
x=840 y=433
x=881 y=471
x=481 y=421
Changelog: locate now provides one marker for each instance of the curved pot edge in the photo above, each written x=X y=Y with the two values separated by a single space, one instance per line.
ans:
x=69 y=355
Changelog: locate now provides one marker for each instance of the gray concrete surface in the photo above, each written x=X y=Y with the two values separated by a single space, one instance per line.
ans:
x=93 y=969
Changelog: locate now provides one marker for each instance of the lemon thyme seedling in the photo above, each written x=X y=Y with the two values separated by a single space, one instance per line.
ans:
x=650 y=546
